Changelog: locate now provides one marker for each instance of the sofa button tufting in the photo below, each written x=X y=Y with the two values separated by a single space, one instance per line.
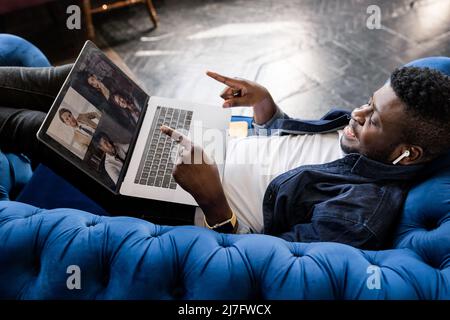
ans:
x=224 y=244
x=178 y=292
x=295 y=251
x=105 y=279
x=37 y=265
x=224 y=241
x=429 y=225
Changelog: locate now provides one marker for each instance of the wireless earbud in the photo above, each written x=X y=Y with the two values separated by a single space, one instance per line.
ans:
x=403 y=155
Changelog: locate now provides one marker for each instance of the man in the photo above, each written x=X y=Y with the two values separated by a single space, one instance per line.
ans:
x=84 y=125
x=115 y=154
x=355 y=199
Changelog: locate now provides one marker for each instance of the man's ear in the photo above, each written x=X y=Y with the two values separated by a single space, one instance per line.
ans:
x=415 y=155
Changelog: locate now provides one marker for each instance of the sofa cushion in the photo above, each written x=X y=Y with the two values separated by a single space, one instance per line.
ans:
x=15 y=173
x=5 y=177
x=425 y=223
x=15 y=51
x=127 y=258
x=438 y=63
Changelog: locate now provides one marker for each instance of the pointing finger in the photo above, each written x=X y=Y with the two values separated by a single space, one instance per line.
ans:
x=233 y=83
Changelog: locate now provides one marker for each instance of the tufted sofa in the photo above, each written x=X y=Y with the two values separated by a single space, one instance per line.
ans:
x=128 y=258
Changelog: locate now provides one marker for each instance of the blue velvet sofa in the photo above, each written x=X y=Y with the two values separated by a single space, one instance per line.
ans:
x=128 y=258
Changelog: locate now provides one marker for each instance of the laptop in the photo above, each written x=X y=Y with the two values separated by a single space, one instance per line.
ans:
x=107 y=126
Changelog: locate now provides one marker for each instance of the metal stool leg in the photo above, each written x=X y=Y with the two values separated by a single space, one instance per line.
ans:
x=152 y=11
x=89 y=11
x=88 y=16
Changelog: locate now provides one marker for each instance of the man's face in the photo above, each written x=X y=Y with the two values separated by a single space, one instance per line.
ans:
x=375 y=129
x=69 y=120
x=107 y=147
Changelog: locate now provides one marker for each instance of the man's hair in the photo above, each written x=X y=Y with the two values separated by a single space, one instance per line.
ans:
x=98 y=138
x=426 y=96
x=62 y=111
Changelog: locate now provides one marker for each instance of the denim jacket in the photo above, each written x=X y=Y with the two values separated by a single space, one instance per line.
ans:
x=353 y=200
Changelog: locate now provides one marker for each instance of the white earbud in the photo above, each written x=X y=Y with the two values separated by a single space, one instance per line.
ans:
x=403 y=155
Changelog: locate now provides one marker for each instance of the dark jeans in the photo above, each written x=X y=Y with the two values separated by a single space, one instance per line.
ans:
x=26 y=95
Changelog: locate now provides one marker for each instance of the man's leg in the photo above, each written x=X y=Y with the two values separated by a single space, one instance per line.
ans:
x=26 y=95
x=31 y=88
x=18 y=128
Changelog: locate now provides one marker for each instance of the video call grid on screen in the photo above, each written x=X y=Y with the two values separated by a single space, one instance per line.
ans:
x=95 y=119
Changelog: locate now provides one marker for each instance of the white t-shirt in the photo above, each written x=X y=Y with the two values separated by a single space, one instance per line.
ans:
x=252 y=162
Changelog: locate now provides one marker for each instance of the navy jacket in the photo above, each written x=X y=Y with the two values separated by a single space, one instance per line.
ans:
x=353 y=200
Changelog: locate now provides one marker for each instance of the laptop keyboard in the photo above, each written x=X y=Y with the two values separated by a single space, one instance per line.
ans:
x=155 y=168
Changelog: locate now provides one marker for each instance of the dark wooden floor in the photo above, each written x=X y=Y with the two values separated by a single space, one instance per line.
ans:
x=311 y=54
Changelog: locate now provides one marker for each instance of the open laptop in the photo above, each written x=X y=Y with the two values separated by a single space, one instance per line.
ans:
x=105 y=125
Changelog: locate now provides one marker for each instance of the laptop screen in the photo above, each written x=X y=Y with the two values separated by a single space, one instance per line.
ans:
x=96 y=117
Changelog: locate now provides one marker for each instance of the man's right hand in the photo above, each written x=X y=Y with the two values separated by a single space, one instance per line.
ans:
x=241 y=92
x=196 y=173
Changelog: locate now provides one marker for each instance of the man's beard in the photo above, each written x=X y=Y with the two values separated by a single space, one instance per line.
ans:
x=380 y=155
x=346 y=148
